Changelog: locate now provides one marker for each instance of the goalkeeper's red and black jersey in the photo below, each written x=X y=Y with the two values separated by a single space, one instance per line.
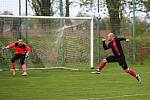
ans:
x=115 y=45
x=20 y=49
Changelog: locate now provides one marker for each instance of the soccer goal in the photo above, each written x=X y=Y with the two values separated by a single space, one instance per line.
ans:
x=56 y=42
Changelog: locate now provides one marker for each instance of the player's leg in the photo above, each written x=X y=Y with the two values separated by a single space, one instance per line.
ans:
x=104 y=61
x=133 y=73
x=122 y=62
x=14 y=64
x=101 y=65
x=23 y=64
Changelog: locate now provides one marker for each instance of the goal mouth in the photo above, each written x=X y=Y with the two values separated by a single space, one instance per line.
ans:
x=56 y=42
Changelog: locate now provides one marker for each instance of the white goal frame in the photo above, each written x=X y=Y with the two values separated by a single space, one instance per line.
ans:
x=51 y=17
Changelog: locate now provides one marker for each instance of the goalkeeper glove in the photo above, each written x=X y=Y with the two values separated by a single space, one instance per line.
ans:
x=4 y=48
x=26 y=55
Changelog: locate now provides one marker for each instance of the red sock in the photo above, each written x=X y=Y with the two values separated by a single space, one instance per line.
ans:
x=101 y=65
x=14 y=66
x=132 y=72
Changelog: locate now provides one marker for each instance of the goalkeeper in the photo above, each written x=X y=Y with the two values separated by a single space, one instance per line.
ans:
x=22 y=52
x=115 y=45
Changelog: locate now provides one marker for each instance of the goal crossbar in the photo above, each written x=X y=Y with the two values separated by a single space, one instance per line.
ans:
x=45 y=17
x=51 y=17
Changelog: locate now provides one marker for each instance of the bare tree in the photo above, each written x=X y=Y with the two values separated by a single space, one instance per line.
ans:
x=42 y=7
x=114 y=12
x=116 y=8
x=141 y=6
x=67 y=8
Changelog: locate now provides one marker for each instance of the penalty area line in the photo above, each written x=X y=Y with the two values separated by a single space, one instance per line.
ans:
x=114 y=97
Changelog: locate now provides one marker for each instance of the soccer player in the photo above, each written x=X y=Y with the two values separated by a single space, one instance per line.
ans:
x=22 y=52
x=115 y=45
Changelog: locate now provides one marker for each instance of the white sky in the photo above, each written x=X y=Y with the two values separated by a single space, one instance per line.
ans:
x=13 y=6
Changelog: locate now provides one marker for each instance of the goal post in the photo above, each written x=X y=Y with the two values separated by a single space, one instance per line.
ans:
x=53 y=44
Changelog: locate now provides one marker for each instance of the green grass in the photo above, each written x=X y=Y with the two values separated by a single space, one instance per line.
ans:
x=112 y=84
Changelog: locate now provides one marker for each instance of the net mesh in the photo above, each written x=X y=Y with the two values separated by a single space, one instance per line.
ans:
x=54 y=42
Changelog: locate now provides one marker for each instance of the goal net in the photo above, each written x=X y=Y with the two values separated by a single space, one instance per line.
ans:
x=56 y=42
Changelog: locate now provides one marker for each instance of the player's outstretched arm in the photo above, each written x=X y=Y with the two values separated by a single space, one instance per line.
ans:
x=10 y=45
x=103 y=39
x=104 y=44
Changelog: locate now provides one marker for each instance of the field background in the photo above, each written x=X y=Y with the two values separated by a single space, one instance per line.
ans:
x=112 y=84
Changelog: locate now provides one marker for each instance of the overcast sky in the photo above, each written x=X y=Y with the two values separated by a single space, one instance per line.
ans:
x=13 y=6
x=10 y=5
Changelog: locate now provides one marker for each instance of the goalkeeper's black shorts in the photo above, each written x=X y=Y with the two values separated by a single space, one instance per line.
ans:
x=20 y=57
x=120 y=59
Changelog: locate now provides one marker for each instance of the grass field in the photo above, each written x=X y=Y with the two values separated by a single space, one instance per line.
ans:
x=112 y=84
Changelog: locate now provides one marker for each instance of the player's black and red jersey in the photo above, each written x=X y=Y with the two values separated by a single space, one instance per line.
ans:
x=20 y=49
x=115 y=45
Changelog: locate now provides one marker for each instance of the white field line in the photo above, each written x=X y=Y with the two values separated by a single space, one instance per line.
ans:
x=116 y=97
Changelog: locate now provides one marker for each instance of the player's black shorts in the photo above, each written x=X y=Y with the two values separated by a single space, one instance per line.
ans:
x=17 y=57
x=120 y=59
